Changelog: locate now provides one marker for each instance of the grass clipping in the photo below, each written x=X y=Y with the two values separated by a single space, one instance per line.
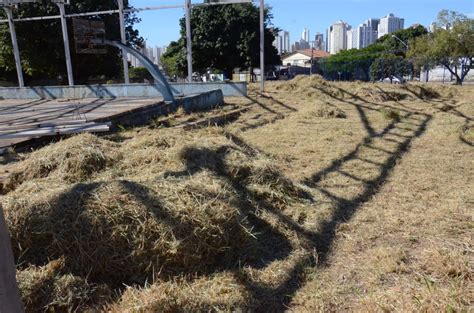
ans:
x=119 y=228
x=72 y=160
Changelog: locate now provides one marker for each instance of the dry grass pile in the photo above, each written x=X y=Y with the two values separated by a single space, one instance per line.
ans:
x=124 y=232
x=379 y=95
x=430 y=92
x=72 y=160
x=221 y=292
x=311 y=86
x=47 y=289
x=317 y=87
x=170 y=203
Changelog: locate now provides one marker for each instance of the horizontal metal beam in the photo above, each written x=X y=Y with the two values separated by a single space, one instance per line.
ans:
x=133 y=10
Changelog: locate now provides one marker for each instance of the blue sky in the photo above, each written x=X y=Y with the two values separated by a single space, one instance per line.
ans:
x=161 y=27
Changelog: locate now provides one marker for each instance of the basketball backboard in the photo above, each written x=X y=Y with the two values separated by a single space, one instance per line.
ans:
x=89 y=36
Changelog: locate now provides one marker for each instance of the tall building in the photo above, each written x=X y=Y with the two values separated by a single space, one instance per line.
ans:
x=328 y=39
x=319 y=42
x=154 y=54
x=305 y=35
x=282 y=42
x=390 y=24
x=373 y=23
x=338 y=37
x=365 y=36
x=353 y=38
x=286 y=42
x=278 y=43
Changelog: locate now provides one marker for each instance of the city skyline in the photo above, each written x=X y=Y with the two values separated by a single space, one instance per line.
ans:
x=342 y=36
x=162 y=27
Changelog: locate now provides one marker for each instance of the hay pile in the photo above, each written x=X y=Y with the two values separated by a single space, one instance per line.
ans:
x=380 y=95
x=72 y=160
x=46 y=289
x=221 y=292
x=123 y=232
x=161 y=204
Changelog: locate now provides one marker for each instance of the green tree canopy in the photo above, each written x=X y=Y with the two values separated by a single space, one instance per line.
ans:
x=224 y=37
x=368 y=63
x=450 y=45
x=391 y=43
x=41 y=43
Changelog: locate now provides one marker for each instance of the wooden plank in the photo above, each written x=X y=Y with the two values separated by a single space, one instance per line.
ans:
x=9 y=293
x=53 y=131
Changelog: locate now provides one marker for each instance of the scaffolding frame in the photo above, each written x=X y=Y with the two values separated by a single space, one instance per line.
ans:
x=121 y=11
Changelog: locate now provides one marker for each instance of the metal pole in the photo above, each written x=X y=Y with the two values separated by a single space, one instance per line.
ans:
x=9 y=294
x=262 y=45
x=123 y=38
x=67 y=51
x=189 y=44
x=16 y=51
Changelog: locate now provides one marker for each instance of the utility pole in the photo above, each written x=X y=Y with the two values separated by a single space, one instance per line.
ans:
x=16 y=51
x=123 y=38
x=189 y=44
x=262 y=45
x=67 y=51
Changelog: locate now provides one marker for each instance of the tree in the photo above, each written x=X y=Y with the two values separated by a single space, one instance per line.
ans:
x=450 y=45
x=140 y=75
x=41 y=42
x=391 y=43
x=389 y=66
x=224 y=37
x=367 y=63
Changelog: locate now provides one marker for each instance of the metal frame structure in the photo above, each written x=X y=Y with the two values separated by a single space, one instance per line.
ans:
x=8 y=4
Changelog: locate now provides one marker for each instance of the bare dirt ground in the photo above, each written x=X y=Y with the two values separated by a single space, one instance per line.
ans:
x=317 y=196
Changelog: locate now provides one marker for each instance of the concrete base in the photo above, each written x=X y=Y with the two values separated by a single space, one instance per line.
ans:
x=120 y=91
x=192 y=103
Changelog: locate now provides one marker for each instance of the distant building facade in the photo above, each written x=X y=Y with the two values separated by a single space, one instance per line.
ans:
x=152 y=53
x=302 y=58
x=319 y=42
x=390 y=24
x=305 y=35
x=282 y=42
x=338 y=37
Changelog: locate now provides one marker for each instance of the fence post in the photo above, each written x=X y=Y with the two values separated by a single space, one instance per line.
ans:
x=9 y=293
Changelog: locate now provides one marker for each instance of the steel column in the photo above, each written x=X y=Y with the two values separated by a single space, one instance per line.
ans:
x=123 y=38
x=67 y=51
x=9 y=294
x=189 y=44
x=16 y=51
x=262 y=45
